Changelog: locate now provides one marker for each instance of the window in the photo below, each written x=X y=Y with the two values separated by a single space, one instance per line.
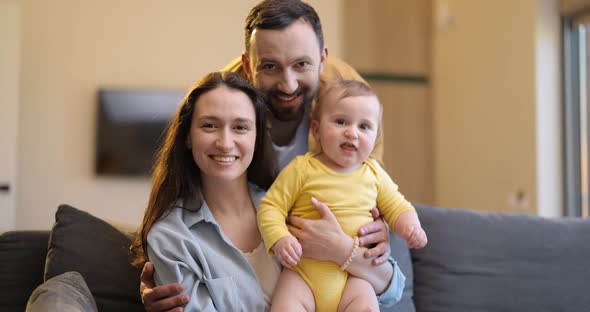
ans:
x=576 y=47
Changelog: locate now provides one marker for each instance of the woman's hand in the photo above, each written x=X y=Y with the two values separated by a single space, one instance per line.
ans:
x=321 y=239
x=375 y=236
x=160 y=298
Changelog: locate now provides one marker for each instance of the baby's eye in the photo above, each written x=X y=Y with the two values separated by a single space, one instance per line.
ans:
x=365 y=126
x=340 y=121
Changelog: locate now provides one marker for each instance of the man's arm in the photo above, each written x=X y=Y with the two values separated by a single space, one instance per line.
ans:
x=160 y=298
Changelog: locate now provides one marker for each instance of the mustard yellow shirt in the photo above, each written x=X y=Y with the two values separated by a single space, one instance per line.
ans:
x=350 y=196
x=334 y=68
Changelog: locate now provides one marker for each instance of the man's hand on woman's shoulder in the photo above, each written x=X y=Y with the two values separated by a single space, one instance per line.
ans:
x=160 y=298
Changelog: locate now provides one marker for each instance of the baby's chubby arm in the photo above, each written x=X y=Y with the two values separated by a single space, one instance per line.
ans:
x=408 y=227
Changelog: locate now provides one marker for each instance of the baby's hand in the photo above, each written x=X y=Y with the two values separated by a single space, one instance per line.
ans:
x=288 y=250
x=415 y=236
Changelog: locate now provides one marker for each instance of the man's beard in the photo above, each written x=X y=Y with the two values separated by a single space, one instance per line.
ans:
x=289 y=113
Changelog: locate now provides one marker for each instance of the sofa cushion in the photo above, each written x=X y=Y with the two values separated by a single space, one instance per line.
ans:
x=484 y=261
x=66 y=292
x=21 y=251
x=99 y=252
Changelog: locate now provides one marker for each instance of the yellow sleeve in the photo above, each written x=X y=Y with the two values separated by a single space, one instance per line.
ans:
x=390 y=202
x=277 y=202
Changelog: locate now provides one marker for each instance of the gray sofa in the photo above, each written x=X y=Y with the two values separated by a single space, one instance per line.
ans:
x=474 y=261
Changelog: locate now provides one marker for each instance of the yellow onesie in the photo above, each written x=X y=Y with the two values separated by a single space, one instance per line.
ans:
x=350 y=196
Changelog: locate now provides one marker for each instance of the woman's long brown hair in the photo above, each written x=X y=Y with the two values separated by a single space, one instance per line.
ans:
x=175 y=174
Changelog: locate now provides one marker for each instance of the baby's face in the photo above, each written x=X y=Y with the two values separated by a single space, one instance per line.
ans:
x=347 y=130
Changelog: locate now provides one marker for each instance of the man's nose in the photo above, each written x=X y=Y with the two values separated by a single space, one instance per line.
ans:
x=288 y=83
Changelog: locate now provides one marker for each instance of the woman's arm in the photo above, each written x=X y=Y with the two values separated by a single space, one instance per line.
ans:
x=323 y=239
x=173 y=265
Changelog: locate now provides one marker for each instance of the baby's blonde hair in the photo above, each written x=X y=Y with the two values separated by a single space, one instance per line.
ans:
x=344 y=89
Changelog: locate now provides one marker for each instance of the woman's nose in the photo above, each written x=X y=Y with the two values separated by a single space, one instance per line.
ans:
x=224 y=141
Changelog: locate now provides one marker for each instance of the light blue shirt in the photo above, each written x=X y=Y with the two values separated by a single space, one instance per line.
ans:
x=187 y=246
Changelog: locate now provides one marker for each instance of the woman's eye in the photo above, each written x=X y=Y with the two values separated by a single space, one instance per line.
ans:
x=208 y=126
x=241 y=128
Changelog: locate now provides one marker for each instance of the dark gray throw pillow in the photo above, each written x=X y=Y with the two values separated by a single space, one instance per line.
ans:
x=67 y=292
x=99 y=252
x=484 y=261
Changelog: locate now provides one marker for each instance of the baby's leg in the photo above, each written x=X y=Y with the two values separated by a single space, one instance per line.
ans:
x=292 y=293
x=358 y=295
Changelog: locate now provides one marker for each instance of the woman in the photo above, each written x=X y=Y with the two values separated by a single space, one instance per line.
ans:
x=200 y=225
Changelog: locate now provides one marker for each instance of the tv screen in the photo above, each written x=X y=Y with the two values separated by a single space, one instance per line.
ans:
x=130 y=129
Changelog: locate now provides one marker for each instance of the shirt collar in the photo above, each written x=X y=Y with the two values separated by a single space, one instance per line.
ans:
x=197 y=209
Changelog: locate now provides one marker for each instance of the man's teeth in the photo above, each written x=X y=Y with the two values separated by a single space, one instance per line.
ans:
x=286 y=98
x=224 y=158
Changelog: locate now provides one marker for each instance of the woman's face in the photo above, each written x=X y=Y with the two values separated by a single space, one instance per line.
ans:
x=223 y=134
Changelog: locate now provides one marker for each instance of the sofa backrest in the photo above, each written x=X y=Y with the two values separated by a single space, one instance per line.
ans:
x=485 y=261
x=22 y=261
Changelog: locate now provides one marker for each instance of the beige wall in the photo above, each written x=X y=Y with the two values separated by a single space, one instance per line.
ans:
x=394 y=38
x=474 y=139
x=70 y=48
x=485 y=101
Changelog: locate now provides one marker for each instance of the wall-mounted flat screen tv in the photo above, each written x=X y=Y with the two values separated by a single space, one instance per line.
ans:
x=130 y=129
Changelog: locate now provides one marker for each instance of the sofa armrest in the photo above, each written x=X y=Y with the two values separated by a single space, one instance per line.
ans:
x=22 y=262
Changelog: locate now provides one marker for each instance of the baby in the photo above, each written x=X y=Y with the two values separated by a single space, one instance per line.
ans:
x=345 y=123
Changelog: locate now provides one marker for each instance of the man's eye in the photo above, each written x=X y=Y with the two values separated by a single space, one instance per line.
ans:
x=267 y=67
x=303 y=64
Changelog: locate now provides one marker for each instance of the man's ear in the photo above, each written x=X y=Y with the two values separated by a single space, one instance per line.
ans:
x=246 y=67
x=323 y=57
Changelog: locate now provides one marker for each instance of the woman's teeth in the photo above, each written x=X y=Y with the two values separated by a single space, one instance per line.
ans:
x=224 y=158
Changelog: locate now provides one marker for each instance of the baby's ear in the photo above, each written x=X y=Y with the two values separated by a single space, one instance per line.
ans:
x=315 y=129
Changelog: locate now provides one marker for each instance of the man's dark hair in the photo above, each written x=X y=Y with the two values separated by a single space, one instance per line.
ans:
x=279 y=14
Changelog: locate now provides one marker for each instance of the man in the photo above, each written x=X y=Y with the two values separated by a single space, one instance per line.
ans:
x=285 y=57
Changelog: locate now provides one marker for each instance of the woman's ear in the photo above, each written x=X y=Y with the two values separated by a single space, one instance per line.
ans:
x=188 y=142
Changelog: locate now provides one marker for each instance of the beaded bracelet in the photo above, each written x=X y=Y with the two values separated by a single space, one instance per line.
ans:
x=352 y=254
